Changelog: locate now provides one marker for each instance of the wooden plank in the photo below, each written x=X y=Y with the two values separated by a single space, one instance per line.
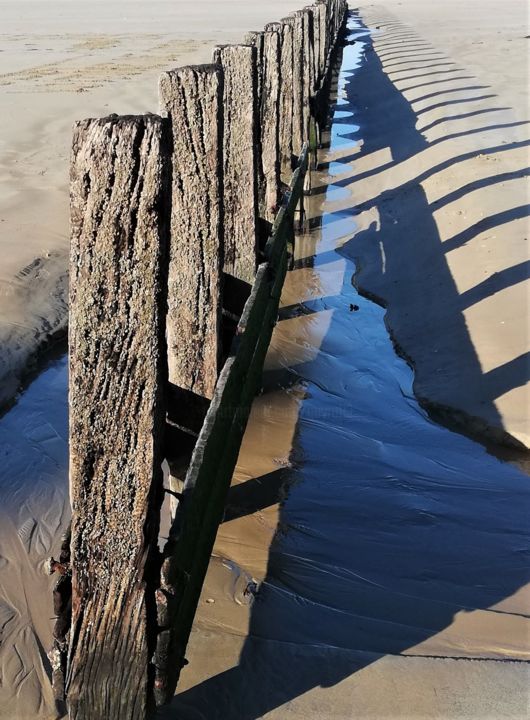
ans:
x=119 y=191
x=240 y=159
x=192 y=98
x=192 y=534
x=283 y=224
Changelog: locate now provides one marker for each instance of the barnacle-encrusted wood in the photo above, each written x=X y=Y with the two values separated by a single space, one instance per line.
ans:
x=306 y=17
x=192 y=97
x=270 y=120
x=117 y=375
x=240 y=159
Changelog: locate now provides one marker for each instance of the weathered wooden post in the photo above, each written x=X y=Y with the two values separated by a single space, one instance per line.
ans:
x=119 y=189
x=323 y=12
x=297 y=122
x=308 y=76
x=270 y=121
x=192 y=99
x=307 y=68
x=286 y=100
x=315 y=21
x=332 y=5
x=255 y=38
x=240 y=159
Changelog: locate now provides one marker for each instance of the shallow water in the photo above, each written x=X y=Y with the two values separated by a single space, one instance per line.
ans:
x=394 y=523
x=391 y=535
x=34 y=510
x=395 y=535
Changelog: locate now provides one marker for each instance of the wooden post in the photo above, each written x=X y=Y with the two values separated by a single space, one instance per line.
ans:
x=192 y=97
x=270 y=119
x=315 y=22
x=333 y=5
x=256 y=39
x=297 y=25
x=286 y=100
x=307 y=71
x=240 y=159
x=323 y=12
x=117 y=374
x=331 y=19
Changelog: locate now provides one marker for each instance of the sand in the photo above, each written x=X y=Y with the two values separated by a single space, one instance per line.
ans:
x=392 y=587
x=416 y=179
x=441 y=181
x=59 y=62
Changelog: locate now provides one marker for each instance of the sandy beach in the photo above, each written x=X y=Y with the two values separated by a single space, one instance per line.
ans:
x=390 y=553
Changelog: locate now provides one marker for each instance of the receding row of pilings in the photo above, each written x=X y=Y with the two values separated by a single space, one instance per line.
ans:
x=182 y=229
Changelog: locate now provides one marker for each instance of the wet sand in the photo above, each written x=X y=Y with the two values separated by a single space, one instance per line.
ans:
x=34 y=512
x=396 y=582
x=440 y=186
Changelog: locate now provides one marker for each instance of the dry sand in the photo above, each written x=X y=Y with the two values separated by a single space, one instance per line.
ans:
x=64 y=60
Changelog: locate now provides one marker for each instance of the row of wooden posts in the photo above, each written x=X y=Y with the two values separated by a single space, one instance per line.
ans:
x=182 y=230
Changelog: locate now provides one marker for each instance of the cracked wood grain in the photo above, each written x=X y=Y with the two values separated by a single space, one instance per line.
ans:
x=192 y=98
x=119 y=186
x=270 y=122
x=240 y=159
